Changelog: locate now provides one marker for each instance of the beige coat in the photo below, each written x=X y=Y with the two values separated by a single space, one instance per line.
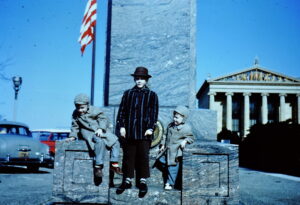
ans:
x=86 y=125
x=172 y=138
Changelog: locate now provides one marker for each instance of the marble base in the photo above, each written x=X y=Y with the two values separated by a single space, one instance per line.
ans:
x=73 y=176
x=210 y=174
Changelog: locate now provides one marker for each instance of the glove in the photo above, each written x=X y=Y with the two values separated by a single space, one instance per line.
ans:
x=161 y=148
x=99 y=133
x=182 y=144
x=122 y=132
x=149 y=132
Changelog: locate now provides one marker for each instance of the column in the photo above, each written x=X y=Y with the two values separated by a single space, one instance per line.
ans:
x=229 y=110
x=211 y=100
x=246 y=113
x=264 y=108
x=282 y=107
x=298 y=107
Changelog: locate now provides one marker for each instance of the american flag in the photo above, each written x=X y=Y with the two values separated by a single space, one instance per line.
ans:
x=88 y=24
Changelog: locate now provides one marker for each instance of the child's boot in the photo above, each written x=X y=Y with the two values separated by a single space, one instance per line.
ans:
x=98 y=171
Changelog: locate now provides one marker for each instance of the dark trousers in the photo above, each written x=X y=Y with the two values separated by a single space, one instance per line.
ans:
x=136 y=158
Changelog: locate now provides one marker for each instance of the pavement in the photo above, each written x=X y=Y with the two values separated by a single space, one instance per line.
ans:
x=19 y=187
x=263 y=188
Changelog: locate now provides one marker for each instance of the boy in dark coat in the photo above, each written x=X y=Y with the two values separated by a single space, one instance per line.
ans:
x=138 y=114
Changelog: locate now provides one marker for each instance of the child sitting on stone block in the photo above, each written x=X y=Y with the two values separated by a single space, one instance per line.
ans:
x=177 y=135
x=92 y=125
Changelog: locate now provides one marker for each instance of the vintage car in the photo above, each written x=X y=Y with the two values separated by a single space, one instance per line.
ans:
x=17 y=147
x=50 y=136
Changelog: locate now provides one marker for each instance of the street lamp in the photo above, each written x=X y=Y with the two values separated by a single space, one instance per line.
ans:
x=17 y=80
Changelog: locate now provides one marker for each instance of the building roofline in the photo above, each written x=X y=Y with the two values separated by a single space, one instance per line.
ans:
x=253 y=68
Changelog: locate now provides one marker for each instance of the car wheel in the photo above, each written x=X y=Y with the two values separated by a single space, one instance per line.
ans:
x=33 y=168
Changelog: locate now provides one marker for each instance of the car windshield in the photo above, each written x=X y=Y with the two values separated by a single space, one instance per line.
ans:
x=14 y=130
x=49 y=136
x=42 y=136
x=60 y=136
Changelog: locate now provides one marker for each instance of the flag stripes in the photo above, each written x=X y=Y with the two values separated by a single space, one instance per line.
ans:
x=88 y=24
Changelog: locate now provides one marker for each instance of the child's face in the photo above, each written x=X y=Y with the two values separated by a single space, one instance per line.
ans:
x=82 y=109
x=178 y=119
x=140 y=81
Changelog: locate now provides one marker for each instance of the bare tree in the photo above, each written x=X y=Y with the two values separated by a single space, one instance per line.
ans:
x=3 y=65
x=3 y=77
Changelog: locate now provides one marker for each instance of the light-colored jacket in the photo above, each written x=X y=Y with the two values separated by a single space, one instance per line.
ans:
x=172 y=139
x=86 y=125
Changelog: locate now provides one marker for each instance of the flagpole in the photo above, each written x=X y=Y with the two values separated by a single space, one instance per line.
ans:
x=93 y=67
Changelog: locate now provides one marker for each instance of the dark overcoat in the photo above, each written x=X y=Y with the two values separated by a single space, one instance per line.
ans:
x=138 y=112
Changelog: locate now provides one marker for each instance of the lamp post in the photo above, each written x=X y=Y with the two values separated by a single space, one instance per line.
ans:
x=17 y=80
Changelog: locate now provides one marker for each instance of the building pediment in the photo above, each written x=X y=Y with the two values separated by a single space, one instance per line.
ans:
x=256 y=74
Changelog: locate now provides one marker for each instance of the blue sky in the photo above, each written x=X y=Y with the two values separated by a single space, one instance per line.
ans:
x=38 y=40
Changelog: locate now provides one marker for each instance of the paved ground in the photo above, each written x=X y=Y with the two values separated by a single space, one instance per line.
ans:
x=260 y=188
x=18 y=187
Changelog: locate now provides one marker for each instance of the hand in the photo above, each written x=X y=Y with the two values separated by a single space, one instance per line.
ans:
x=122 y=132
x=182 y=144
x=148 y=132
x=99 y=133
x=70 y=139
x=161 y=148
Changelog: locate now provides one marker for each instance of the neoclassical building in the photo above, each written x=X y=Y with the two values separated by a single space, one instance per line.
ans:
x=254 y=95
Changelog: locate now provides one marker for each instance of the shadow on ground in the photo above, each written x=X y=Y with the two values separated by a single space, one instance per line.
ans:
x=19 y=170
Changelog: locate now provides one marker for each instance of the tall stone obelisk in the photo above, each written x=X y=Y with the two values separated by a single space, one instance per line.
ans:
x=159 y=35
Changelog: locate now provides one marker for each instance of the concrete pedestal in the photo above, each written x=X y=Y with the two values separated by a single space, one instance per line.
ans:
x=73 y=177
x=210 y=174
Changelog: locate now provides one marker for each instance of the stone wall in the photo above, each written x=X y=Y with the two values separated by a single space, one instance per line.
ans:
x=209 y=176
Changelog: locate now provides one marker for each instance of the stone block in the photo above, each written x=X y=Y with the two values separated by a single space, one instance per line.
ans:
x=210 y=174
x=157 y=34
x=73 y=177
x=155 y=195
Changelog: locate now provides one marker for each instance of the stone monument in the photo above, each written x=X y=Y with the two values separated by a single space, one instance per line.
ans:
x=159 y=35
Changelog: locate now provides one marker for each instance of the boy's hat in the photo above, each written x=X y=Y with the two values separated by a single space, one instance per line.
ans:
x=142 y=72
x=81 y=99
x=182 y=110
